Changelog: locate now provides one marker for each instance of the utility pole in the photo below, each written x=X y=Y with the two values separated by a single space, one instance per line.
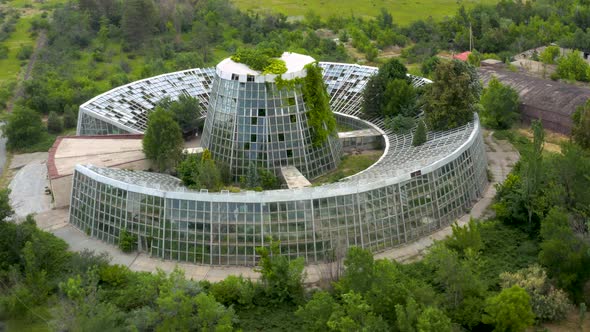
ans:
x=470 y=38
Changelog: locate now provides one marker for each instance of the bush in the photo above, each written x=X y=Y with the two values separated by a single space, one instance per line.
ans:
x=3 y=51
x=199 y=171
x=127 y=241
x=23 y=129
x=24 y=52
x=282 y=278
x=70 y=120
x=234 y=290
x=54 y=123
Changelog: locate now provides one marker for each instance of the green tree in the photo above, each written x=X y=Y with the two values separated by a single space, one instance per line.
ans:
x=375 y=98
x=252 y=178
x=138 y=21
x=162 y=141
x=570 y=172
x=465 y=238
x=70 y=120
x=407 y=316
x=429 y=65
x=355 y=315
x=23 y=128
x=54 y=123
x=510 y=310
x=474 y=58
x=400 y=98
x=452 y=99
x=213 y=316
x=549 y=54
x=434 y=320
x=209 y=175
x=127 y=241
x=459 y=278
x=400 y=124
x=186 y=111
x=358 y=271
x=564 y=254
x=548 y=303
x=420 y=135
x=317 y=311
x=573 y=67
x=5 y=208
x=282 y=278
x=533 y=171
x=500 y=105
x=581 y=125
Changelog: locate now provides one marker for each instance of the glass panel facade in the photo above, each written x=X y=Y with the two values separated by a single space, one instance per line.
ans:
x=249 y=122
x=225 y=229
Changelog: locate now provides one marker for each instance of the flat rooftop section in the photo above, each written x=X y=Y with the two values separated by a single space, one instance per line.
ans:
x=294 y=178
x=359 y=133
x=104 y=151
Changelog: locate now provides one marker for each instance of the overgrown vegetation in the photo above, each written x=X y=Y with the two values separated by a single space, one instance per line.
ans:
x=320 y=118
x=261 y=58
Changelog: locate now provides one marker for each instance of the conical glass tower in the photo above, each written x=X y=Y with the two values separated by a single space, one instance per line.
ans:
x=251 y=120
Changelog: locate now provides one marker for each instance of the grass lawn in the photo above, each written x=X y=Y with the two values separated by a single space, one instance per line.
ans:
x=403 y=11
x=10 y=67
x=350 y=164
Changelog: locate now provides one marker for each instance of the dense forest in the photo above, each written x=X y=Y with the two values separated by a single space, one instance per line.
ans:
x=527 y=265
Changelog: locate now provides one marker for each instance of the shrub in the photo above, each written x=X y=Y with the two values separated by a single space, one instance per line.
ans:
x=3 y=51
x=127 y=241
x=282 y=278
x=54 y=123
x=70 y=119
x=510 y=310
x=234 y=290
x=24 y=52
x=548 y=302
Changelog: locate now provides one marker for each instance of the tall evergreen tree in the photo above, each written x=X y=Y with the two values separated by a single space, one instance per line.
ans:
x=533 y=170
x=420 y=135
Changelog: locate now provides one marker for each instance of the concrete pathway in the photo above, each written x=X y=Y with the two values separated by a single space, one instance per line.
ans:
x=28 y=186
x=501 y=159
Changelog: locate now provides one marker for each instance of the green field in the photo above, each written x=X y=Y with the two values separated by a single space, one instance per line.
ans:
x=403 y=11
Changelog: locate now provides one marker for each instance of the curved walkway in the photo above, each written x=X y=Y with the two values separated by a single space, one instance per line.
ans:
x=501 y=158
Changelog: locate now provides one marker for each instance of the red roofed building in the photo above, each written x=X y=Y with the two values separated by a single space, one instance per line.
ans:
x=462 y=56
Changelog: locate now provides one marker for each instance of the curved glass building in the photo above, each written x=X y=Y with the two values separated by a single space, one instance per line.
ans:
x=408 y=193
